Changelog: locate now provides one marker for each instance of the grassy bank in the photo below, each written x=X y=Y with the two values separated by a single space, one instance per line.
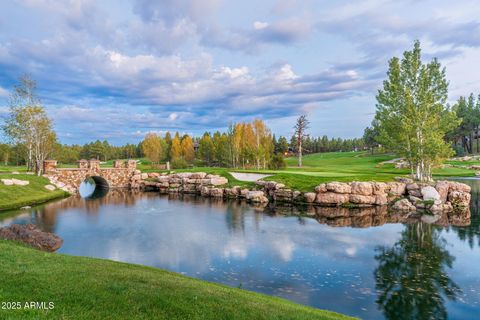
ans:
x=86 y=288
x=12 y=197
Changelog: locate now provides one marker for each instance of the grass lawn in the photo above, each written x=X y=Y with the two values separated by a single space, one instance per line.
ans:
x=12 y=197
x=87 y=288
x=346 y=166
x=10 y=169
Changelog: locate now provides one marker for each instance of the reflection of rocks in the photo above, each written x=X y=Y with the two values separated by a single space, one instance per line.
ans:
x=404 y=205
x=32 y=236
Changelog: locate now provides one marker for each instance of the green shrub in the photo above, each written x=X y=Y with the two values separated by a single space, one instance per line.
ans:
x=179 y=164
x=277 y=162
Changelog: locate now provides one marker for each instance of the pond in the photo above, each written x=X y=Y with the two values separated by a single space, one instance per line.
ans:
x=362 y=267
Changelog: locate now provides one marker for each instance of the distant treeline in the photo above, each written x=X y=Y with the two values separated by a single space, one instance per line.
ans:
x=243 y=145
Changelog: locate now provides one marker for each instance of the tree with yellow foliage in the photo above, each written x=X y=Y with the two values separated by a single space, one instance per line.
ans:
x=152 y=147
x=188 y=151
x=176 y=150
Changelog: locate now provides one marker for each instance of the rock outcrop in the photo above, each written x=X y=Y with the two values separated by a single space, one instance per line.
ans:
x=404 y=194
x=32 y=236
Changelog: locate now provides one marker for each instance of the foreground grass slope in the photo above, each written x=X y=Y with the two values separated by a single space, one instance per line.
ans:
x=86 y=288
x=12 y=197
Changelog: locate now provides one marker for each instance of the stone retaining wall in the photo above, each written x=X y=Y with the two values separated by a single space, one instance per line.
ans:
x=402 y=195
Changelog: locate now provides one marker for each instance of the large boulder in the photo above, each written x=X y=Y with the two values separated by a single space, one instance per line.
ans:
x=362 y=199
x=244 y=192
x=218 y=181
x=443 y=188
x=339 y=187
x=232 y=192
x=381 y=199
x=412 y=186
x=198 y=175
x=404 y=205
x=32 y=236
x=216 y=192
x=379 y=188
x=332 y=198
x=396 y=188
x=256 y=196
x=163 y=179
x=430 y=193
x=461 y=187
x=322 y=188
x=283 y=195
x=459 y=199
x=362 y=188
x=309 y=197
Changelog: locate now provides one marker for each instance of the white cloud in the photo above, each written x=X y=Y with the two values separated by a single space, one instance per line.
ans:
x=257 y=25
x=4 y=92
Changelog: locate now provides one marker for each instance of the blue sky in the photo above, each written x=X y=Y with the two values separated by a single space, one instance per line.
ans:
x=118 y=69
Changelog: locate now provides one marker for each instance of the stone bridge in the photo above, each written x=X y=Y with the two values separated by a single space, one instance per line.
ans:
x=69 y=179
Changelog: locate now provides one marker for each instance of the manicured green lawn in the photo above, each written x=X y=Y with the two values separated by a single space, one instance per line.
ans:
x=346 y=166
x=12 y=197
x=10 y=169
x=86 y=288
x=464 y=163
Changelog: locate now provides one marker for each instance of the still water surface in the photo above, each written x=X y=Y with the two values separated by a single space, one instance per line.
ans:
x=392 y=270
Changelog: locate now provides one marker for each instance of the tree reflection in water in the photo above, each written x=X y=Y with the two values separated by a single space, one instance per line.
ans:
x=411 y=279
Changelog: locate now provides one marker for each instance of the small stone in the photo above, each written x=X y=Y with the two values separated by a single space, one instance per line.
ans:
x=7 y=182
x=50 y=187
x=18 y=182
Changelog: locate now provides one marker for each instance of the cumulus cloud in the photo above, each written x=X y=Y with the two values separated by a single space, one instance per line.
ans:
x=196 y=64
x=4 y=92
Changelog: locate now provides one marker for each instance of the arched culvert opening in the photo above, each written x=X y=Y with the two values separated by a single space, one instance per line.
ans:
x=93 y=187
